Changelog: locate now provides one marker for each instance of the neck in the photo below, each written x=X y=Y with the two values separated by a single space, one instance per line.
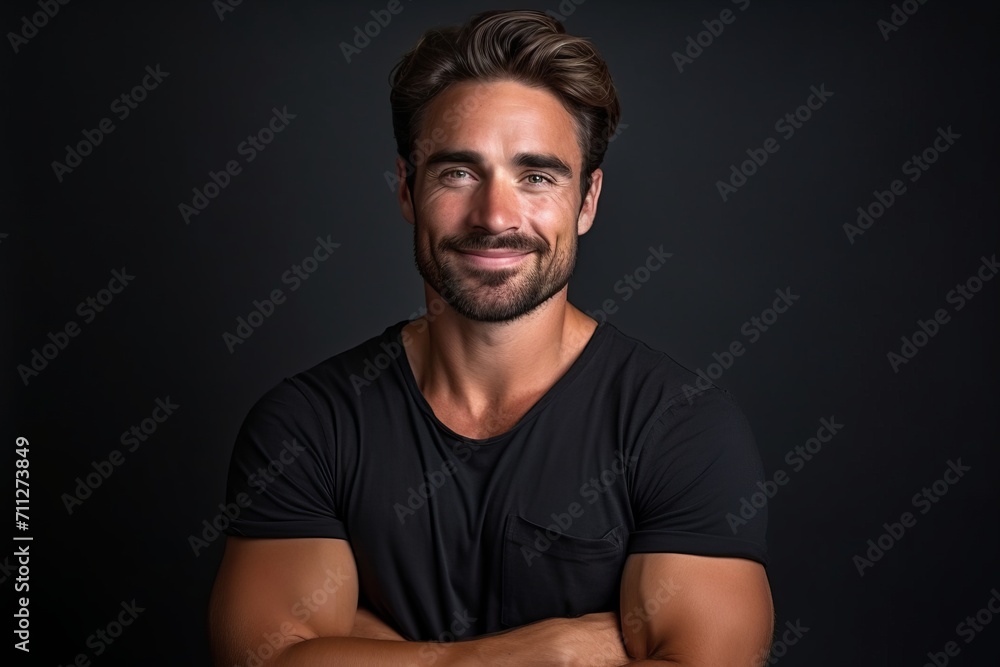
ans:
x=476 y=366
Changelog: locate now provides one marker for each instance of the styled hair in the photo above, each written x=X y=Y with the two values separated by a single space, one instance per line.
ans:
x=528 y=47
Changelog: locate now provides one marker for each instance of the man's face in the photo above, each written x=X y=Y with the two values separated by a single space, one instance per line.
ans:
x=496 y=203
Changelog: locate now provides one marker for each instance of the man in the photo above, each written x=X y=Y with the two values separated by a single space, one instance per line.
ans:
x=505 y=471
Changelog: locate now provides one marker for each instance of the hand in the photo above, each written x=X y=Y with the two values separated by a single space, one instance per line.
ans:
x=591 y=640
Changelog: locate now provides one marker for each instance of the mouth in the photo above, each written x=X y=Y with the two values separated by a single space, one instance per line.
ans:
x=494 y=258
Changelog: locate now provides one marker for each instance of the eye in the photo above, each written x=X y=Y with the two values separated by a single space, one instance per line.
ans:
x=538 y=179
x=455 y=174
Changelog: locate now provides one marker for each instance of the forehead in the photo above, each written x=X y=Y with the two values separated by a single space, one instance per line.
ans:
x=503 y=116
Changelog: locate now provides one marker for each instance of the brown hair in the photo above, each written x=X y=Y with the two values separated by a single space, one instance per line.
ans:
x=525 y=46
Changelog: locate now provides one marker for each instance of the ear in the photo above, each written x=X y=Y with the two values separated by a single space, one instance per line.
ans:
x=404 y=195
x=589 y=209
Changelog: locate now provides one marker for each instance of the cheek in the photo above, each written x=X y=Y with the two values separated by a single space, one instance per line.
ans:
x=446 y=205
x=553 y=218
x=544 y=211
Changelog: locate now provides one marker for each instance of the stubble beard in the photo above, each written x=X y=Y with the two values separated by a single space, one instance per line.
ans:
x=494 y=295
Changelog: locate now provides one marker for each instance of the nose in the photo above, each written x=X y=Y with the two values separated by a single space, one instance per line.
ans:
x=497 y=207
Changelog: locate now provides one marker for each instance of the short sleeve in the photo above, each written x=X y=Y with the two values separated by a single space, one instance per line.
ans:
x=697 y=484
x=280 y=476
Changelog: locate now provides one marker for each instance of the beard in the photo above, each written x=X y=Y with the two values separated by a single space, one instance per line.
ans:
x=494 y=294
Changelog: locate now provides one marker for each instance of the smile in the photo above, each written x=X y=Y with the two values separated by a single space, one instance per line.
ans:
x=493 y=258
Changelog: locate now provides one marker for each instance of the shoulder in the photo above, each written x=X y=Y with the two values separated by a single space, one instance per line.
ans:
x=658 y=376
x=710 y=418
x=673 y=409
x=343 y=377
x=331 y=390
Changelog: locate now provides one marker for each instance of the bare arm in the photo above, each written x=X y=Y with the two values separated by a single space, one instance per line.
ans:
x=684 y=610
x=370 y=626
x=293 y=602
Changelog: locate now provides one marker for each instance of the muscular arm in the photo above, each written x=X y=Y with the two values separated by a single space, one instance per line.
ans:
x=293 y=602
x=684 y=610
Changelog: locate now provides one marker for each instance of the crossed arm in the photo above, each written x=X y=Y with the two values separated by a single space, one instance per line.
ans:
x=294 y=602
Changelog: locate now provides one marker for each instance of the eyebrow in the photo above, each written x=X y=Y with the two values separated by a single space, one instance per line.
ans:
x=531 y=160
x=543 y=161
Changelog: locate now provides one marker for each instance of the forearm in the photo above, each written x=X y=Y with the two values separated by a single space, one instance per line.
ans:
x=365 y=652
x=507 y=649
x=591 y=640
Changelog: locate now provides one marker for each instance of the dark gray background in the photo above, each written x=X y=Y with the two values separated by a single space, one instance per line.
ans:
x=324 y=175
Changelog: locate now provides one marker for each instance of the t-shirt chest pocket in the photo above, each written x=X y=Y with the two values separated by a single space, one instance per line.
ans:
x=550 y=574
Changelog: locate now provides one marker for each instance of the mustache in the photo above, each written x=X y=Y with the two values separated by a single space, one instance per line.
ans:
x=494 y=242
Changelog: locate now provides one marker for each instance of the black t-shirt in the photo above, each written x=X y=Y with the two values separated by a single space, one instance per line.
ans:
x=456 y=537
